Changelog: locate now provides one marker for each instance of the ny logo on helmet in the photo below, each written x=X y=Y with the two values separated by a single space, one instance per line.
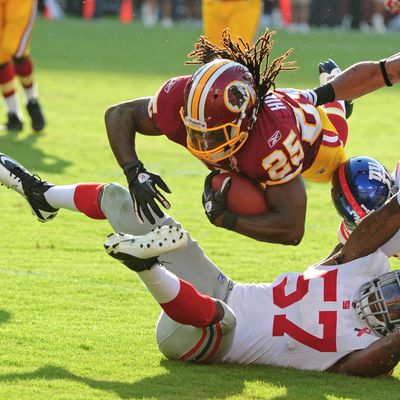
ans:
x=377 y=172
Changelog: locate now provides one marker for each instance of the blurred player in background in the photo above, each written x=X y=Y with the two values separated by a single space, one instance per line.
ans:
x=241 y=17
x=16 y=23
x=341 y=315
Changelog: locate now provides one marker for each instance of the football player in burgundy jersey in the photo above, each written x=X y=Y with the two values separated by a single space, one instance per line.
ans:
x=227 y=115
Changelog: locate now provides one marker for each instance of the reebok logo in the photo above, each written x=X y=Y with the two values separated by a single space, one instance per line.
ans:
x=274 y=139
x=208 y=206
x=143 y=177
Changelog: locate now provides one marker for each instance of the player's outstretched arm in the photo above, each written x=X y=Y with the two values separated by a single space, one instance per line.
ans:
x=357 y=80
x=366 y=77
x=283 y=224
x=122 y=122
x=378 y=359
x=373 y=232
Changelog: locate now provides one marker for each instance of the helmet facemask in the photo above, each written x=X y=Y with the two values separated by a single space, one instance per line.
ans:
x=378 y=303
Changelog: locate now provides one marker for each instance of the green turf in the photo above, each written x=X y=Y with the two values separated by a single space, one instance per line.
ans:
x=74 y=324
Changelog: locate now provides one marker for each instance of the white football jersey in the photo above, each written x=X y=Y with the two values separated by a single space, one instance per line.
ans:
x=304 y=320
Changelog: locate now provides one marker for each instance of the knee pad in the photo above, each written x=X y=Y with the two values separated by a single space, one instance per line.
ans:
x=188 y=343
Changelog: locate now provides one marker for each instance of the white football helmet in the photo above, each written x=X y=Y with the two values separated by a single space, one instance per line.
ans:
x=378 y=303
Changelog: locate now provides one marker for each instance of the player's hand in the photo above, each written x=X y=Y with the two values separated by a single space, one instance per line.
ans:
x=143 y=188
x=327 y=70
x=214 y=203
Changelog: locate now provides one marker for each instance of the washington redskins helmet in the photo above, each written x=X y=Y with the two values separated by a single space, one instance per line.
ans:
x=220 y=109
x=359 y=186
x=378 y=303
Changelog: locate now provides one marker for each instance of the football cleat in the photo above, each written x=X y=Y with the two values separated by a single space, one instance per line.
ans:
x=31 y=187
x=13 y=123
x=36 y=114
x=139 y=253
x=328 y=70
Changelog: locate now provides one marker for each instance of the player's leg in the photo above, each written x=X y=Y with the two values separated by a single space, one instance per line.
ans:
x=24 y=70
x=45 y=198
x=214 y=15
x=8 y=90
x=189 y=263
x=195 y=327
x=244 y=19
x=20 y=24
x=112 y=202
x=7 y=77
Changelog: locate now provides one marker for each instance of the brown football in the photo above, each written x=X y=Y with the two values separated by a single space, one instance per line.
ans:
x=244 y=197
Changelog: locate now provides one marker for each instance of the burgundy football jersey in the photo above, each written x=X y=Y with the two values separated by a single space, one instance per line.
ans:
x=284 y=140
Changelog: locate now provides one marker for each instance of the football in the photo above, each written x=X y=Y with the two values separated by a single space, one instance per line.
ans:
x=244 y=196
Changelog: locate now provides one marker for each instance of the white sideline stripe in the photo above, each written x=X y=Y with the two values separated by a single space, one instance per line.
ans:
x=39 y=275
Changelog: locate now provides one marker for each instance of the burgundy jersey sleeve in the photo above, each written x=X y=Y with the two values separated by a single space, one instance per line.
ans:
x=164 y=109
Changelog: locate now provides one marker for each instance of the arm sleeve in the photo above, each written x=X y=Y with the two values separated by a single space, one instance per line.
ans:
x=165 y=106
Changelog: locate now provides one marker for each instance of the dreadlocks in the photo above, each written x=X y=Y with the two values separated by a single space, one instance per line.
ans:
x=256 y=58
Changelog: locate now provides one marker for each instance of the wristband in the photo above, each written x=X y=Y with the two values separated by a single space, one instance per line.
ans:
x=229 y=220
x=325 y=94
x=131 y=170
x=382 y=64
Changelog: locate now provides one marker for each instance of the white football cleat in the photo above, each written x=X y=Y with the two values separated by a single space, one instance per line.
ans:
x=141 y=252
x=30 y=186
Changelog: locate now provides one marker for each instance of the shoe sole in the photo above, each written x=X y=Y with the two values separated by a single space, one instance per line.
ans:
x=159 y=241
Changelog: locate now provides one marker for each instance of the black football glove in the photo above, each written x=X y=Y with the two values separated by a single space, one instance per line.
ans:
x=214 y=203
x=142 y=186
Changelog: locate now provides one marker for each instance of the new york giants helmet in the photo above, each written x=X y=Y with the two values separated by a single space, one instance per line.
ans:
x=220 y=109
x=377 y=303
x=359 y=186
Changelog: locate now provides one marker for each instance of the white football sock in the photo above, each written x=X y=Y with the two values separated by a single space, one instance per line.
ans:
x=31 y=93
x=162 y=284
x=12 y=104
x=61 y=197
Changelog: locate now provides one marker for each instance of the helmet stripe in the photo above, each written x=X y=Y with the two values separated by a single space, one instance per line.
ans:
x=347 y=192
x=200 y=79
x=207 y=88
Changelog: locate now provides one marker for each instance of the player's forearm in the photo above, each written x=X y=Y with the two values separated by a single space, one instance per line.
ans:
x=358 y=80
x=374 y=230
x=365 y=77
x=121 y=134
x=272 y=227
x=378 y=359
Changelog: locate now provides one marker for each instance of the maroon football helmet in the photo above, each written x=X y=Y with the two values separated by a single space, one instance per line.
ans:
x=220 y=109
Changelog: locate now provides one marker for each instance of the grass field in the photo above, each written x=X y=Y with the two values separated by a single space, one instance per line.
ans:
x=74 y=324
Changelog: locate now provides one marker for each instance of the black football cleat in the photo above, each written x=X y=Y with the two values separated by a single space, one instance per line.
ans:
x=37 y=118
x=139 y=253
x=13 y=123
x=31 y=187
